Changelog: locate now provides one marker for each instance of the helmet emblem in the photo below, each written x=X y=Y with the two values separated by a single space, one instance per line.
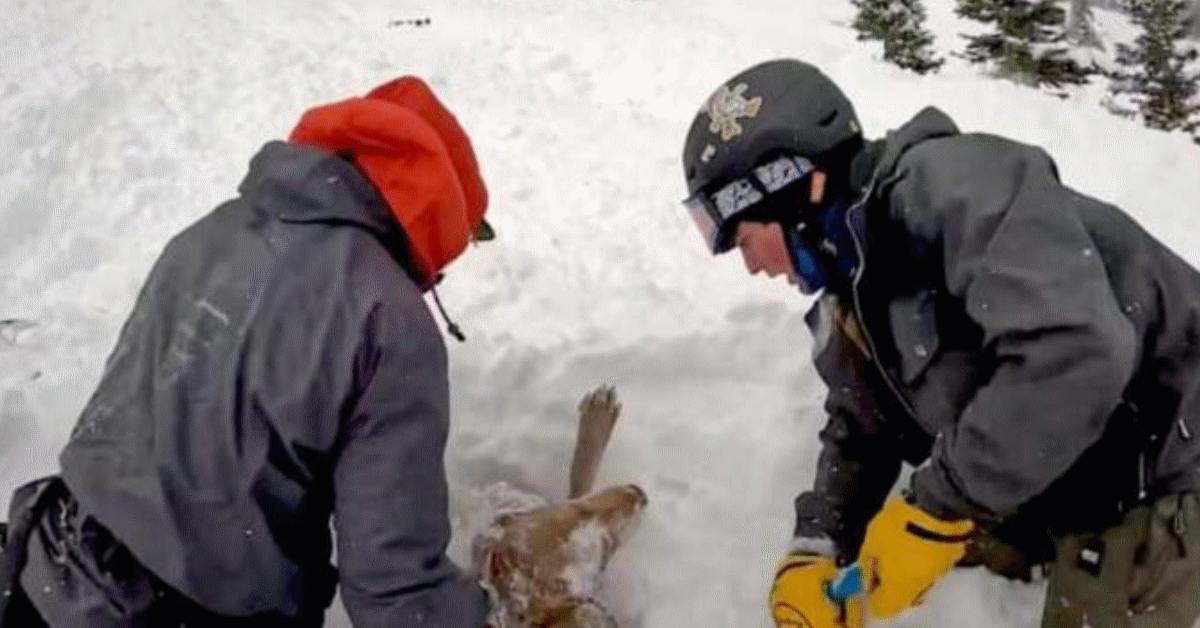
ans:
x=726 y=106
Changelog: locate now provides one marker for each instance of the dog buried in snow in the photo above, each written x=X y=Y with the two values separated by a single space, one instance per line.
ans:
x=543 y=564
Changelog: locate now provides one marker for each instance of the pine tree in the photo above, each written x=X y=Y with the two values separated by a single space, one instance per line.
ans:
x=899 y=24
x=1080 y=31
x=873 y=19
x=1028 y=43
x=986 y=11
x=1161 y=77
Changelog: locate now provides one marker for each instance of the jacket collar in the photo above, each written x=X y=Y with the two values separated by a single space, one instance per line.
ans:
x=874 y=168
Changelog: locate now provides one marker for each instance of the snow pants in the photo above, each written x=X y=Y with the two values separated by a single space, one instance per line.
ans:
x=1143 y=572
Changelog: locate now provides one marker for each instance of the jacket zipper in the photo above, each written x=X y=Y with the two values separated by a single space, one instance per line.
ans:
x=857 y=302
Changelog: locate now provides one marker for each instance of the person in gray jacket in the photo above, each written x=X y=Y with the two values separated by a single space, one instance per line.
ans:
x=279 y=367
x=1031 y=349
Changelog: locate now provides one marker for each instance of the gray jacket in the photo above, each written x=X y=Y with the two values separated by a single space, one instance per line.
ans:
x=279 y=367
x=1031 y=348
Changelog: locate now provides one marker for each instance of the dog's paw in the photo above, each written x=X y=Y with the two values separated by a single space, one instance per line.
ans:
x=600 y=406
x=598 y=412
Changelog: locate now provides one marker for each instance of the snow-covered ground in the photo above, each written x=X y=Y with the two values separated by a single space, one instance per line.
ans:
x=124 y=120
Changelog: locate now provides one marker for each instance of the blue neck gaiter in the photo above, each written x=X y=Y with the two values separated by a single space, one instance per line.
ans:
x=820 y=246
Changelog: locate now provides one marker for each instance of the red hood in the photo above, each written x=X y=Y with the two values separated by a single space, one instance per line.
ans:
x=415 y=153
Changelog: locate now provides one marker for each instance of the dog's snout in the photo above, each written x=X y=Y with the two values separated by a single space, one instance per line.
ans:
x=641 y=496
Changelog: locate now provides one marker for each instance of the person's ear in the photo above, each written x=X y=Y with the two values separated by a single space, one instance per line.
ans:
x=816 y=190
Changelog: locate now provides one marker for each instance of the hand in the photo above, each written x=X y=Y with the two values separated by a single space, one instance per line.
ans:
x=906 y=551
x=798 y=599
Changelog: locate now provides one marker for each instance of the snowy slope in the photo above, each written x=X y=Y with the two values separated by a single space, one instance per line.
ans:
x=127 y=119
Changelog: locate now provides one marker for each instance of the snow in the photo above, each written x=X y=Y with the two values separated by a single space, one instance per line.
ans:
x=587 y=546
x=127 y=119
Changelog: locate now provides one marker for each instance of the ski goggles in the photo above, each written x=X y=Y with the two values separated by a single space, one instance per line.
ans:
x=712 y=212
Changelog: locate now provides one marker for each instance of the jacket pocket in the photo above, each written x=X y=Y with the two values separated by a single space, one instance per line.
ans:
x=914 y=329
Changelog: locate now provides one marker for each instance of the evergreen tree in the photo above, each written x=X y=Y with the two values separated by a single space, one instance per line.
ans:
x=1080 y=31
x=1160 y=76
x=900 y=25
x=986 y=11
x=1028 y=43
x=873 y=19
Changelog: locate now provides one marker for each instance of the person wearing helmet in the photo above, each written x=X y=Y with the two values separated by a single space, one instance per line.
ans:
x=279 y=367
x=1032 y=349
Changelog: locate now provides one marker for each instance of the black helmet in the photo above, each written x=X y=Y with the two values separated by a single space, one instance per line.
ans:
x=779 y=106
x=756 y=140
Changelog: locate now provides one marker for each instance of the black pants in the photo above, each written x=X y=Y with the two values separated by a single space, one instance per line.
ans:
x=20 y=613
x=15 y=608
x=67 y=571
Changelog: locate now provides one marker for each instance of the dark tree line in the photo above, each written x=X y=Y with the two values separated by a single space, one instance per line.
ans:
x=1039 y=42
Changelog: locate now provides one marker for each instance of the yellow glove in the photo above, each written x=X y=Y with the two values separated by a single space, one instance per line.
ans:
x=798 y=598
x=906 y=551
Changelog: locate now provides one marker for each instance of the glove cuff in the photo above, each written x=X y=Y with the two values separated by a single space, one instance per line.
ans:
x=821 y=546
x=924 y=525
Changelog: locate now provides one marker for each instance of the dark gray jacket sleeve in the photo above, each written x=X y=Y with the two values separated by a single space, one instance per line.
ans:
x=390 y=488
x=1018 y=256
x=858 y=463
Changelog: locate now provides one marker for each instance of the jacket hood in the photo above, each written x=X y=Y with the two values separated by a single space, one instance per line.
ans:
x=929 y=123
x=415 y=153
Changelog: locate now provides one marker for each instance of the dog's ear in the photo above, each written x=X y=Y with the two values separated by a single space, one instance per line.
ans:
x=598 y=411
